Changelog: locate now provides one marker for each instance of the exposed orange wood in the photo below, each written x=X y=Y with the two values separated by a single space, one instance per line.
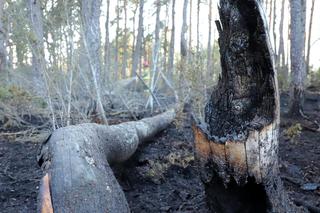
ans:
x=236 y=157
x=202 y=146
x=45 y=196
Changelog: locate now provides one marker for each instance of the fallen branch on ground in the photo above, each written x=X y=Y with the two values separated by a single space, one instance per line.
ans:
x=77 y=160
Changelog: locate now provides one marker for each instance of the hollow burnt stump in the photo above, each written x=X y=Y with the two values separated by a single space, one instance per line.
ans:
x=236 y=147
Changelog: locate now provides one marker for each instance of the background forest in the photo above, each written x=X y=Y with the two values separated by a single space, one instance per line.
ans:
x=68 y=62
x=75 y=61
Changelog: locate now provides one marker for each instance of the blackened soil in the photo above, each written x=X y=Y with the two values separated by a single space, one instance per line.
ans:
x=161 y=176
x=19 y=176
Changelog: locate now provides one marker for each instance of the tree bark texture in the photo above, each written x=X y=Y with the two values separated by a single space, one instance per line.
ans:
x=237 y=145
x=209 y=52
x=309 y=37
x=37 y=47
x=3 y=51
x=77 y=159
x=90 y=15
x=125 y=42
x=281 y=56
x=107 y=46
x=172 y=42
x=184 y=30
x=298 y=69
x=137 y=50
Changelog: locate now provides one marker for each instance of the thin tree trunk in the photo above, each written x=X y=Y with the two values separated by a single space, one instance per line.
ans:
x=281 y=55
x=125 y=41
x=172 y=43
x=190 y=27
x=274 y=29
x=3 y=51
x=297 y=46
x=38 y=63
x=209 y=52
x=107 y=47
x=134 y=33
x=70 y=65
x=116 y=50
x=184 y=29
x=155 y=53
x=198 y=27
x=166 y=43
x=309 y=38
x=236 y=149
x=270 y=14
x=90 y=14
x=137 y=49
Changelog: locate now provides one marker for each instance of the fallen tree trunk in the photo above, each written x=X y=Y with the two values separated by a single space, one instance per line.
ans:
x=237 y=145
x=77 y=160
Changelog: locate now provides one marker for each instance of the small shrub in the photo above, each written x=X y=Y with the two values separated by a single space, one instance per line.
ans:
x=293 y=132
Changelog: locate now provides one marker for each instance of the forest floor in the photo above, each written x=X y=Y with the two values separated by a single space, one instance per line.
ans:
x=162 y=177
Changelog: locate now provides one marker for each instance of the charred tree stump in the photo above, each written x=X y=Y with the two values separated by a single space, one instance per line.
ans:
x=237 y=145
x=77 y=158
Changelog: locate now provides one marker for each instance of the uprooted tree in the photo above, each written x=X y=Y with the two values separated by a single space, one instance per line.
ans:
x=77 y=158
x=237 y=145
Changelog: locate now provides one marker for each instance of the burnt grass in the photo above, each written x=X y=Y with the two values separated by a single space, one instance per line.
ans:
x=162 y=175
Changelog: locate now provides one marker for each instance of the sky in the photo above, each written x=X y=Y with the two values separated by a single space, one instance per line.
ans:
x=149 y=22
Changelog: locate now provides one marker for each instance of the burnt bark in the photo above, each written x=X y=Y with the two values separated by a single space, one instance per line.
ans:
x=237 y=145
x=77 y=161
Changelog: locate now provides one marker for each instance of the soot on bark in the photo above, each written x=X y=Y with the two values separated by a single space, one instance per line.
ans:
x=244 y=97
